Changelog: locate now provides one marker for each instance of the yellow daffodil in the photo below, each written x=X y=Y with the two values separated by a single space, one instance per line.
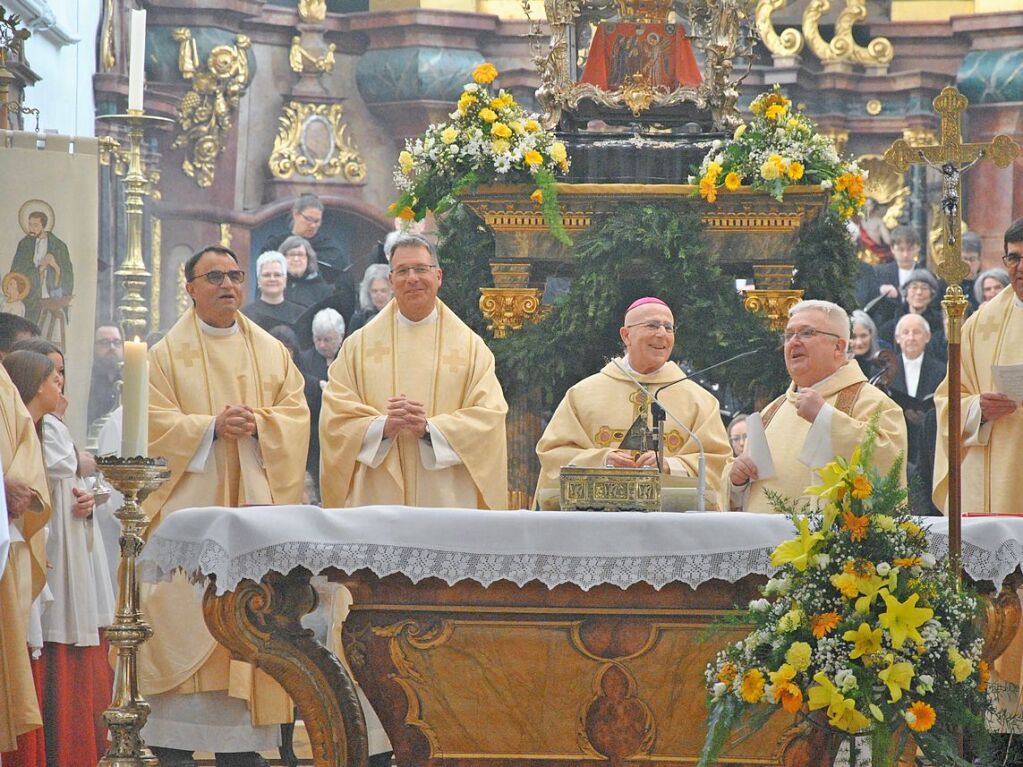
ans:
x=865 y=640
x=902 y=619
x=896 y=677
x=488 y=115
x=785 y=673
x=405 y=162
x=532 y=126
x=500 y=130
x=752 y=686
x=708 y=188
x=733 y=181
x=558 y=152
x=485 y=73
x=795 y=170
x=449 y=135
x=798 y=656
x=532 y=157
x=798 y=551
x=537 y=197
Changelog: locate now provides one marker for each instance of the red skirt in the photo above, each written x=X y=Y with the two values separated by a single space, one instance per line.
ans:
x=78 y=686
x=31 y=745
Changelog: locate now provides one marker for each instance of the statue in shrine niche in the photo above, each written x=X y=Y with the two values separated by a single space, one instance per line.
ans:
x=641 y=47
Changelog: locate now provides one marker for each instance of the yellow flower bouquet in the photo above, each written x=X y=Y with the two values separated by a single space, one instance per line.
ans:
x=488 y=138
x=861 y=630
x=780 y=147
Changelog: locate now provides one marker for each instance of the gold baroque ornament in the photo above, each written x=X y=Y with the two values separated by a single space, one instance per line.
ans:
x=879 y=52
x=509 y=308
x=719 y=29
x=312 y=140
x=638 y=94
x=204 y=114
x=774 y=304
x=302 y=60
x=789 y=42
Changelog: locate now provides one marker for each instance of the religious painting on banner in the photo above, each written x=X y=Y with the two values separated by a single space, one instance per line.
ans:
x=48 y=242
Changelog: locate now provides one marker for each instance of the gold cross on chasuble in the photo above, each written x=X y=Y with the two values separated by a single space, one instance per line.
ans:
x=378 y=352
x=188 y=354
x=454 y=361
x=271 y=387
x=608 y=436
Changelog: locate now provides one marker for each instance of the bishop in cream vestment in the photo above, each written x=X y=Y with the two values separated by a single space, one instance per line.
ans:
x=24 y=574
x=194 y=372
x=596 y=413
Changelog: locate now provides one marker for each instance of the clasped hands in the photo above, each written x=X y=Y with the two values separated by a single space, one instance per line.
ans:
x=235 y=422
x=404 y=414
x=622 y=459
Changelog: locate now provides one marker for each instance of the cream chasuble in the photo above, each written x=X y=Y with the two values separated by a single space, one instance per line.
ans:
x=193 y=374
x=448 y=368
x=596 y=413
x=991 y=479
x=25 y=572
x=787 y=434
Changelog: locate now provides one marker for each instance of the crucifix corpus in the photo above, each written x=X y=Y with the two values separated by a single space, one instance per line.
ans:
x=952 y=158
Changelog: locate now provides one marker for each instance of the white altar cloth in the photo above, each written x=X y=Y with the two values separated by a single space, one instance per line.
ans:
x=582 y=548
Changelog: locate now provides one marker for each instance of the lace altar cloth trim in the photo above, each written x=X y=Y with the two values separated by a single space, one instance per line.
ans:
x=582 y=548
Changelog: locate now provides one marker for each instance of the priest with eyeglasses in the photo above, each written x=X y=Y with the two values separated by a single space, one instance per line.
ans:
x=825 y=412
x=227 y=409
x=596 y=415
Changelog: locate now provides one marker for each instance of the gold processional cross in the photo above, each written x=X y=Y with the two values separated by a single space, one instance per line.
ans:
x=952 y=158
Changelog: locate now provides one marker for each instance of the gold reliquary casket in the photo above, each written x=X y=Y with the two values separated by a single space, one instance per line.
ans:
x=610 y=489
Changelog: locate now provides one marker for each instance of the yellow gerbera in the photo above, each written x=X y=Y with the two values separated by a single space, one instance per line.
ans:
x=752 y=686
x=532 y=157
x=485 y=73
x=733 y=181
x=921 y=716
x=795 y=170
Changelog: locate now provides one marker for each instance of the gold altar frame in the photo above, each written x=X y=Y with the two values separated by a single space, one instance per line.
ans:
x=721 y=30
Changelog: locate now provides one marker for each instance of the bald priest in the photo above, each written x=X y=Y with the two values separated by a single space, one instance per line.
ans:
x=596 y=414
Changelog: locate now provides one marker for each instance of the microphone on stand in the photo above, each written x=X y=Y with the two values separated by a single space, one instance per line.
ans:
x=701 y=472
x=687 y=376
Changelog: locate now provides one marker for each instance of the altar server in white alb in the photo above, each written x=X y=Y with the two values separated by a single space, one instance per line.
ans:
x=227 y=409
x=596 y=413
x=413 y=412
x=825 y=412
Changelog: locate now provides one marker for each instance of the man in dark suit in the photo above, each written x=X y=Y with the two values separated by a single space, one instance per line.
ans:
x=918 y=375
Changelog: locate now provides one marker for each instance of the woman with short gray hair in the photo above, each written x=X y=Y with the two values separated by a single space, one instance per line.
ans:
x=989 y=284
x=374 y=293
x=270 y=308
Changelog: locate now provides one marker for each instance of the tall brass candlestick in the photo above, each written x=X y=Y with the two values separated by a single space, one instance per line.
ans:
x=135 y=277
x=136 y=478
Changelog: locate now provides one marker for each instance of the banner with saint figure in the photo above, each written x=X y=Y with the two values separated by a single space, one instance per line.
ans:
x=48 y=242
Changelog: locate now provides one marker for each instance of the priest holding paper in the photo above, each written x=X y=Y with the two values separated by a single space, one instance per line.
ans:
x=597 y=413
x=228 y=411
x=413 y=413
x=825 y=412
x=23 y=575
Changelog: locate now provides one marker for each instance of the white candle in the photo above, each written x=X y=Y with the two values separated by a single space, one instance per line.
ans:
x=135 y=400
x=137 y=59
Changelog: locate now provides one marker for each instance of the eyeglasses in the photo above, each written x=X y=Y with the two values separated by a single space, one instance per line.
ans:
x=310 y=220
x=300 y=255
x=805 y=334
x=216 y=277
x=110 y=343
x=419 y=270
x=653 y=326
x=1011 y=260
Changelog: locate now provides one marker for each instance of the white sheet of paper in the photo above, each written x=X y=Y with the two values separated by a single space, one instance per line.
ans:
x=757 y=448
x=1009 y=380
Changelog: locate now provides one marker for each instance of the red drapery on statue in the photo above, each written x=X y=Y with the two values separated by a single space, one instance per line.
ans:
x=660 y=52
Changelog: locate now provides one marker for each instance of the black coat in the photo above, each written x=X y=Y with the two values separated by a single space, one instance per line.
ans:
x=314 y=369
x=306 y=291
x=916 y=409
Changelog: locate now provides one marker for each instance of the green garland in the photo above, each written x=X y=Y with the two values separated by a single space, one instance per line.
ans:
x=668 y=258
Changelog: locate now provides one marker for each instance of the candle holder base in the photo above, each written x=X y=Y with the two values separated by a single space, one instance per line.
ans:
x=135 y=478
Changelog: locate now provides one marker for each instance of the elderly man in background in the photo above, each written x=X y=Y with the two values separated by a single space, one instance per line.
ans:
x=825 y=412
x=226 y=407
x=595 y=414
x=328 y=334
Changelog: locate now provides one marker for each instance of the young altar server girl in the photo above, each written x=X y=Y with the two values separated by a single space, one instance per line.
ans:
x=78 y=679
